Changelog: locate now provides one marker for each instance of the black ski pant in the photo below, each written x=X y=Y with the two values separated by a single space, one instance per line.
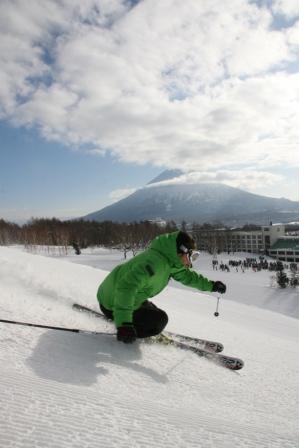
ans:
x=148 y=320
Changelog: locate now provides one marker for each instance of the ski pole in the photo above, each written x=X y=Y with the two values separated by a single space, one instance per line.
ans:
x=216 y=314
x=50 y=327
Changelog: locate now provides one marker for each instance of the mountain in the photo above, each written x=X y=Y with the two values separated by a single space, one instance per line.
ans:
x=200 y=202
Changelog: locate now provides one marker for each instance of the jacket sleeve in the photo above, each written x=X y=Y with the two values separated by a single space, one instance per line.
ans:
x=127 y=286
x=190 y=278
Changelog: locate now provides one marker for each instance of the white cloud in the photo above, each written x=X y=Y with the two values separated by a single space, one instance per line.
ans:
x=293 y=35
x=192 y=85
x=249 y=178
x=288 y=8
x=117 y=195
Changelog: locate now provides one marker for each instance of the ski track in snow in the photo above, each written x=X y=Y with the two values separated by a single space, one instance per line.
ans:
x=56 y=406
x=79 y=390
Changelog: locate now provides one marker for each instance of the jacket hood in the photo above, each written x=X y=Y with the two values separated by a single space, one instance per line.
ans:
x=166 y=245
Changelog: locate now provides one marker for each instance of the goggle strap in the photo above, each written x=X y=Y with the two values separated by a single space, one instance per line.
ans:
x=184 y=249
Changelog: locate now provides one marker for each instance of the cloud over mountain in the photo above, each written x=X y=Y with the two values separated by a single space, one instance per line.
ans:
x=173 y=199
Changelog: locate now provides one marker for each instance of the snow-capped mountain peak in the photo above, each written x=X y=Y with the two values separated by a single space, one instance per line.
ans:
x=177 y=196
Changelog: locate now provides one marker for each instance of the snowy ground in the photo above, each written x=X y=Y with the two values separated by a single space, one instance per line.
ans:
x=61 y=389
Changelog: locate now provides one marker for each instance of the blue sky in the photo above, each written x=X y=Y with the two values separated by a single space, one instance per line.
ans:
x=40 y=178
x=98 y=97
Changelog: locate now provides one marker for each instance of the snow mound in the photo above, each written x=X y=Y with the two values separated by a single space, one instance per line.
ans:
x=82 y=390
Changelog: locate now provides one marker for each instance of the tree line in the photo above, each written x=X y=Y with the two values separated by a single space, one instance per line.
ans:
x=82 y=234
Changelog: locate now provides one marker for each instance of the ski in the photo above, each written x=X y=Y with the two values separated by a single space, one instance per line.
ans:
x=168 y=338
x=77 y=306
x=230 y=362
x=204 y=344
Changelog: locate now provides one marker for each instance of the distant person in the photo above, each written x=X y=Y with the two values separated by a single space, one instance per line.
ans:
x=123 y=295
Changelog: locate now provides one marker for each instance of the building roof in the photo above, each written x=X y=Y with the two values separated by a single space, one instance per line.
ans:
x=286 y=243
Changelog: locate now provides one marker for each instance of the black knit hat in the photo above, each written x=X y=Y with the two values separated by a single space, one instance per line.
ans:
x=184 y=243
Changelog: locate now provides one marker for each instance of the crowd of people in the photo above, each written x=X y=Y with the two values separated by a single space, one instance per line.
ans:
x=251 y=263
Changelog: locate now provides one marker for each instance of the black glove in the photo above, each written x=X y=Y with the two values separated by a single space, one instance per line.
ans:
x=126 y=333
x=219 y=287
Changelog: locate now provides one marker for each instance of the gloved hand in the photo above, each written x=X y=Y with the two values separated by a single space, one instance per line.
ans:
x=219 y=287
x=126 y=333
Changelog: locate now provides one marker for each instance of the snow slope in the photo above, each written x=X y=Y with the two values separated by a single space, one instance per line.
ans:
x=61 y=389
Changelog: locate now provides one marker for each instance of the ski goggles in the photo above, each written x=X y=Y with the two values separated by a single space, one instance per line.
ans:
x=192 y=254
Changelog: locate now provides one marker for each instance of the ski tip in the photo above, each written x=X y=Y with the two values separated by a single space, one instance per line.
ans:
x=231 y=363
x=238 y=365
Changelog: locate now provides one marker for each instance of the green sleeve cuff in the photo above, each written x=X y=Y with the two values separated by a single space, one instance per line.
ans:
x=211 y=285
x=122 y=316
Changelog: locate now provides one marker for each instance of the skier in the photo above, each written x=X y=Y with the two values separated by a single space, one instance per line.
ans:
x=123 y=295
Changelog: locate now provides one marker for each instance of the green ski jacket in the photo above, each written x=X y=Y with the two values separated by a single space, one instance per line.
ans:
x=144 y=276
